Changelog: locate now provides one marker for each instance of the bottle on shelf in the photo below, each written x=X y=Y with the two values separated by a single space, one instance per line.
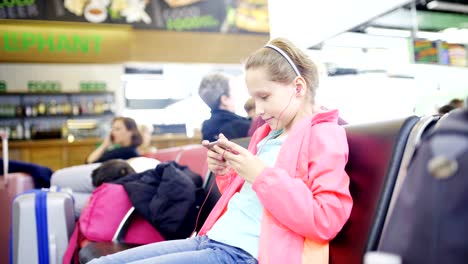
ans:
x=97 y=107
x=34 y=110
x=20 y=114
x=60 y=108
x=52 y=108
x=18 y=111
x=76 y=109
x=67 y=108
x=27 y=131
x=90 y=107
x=41 y=108
x=28 y=110
x=83 y=109
x=13 y=132
x=19 y=131
x=64 y=130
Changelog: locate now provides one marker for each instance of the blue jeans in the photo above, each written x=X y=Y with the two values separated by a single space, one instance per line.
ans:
x=191 y=250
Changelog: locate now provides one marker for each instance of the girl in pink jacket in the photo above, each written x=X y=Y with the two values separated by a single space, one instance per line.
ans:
x=287 y=195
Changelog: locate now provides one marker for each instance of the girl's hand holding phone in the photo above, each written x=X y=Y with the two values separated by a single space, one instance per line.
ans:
x=247 y=165
x=216 y=163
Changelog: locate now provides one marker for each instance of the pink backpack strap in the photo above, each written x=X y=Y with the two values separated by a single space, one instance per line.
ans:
x=71 y=254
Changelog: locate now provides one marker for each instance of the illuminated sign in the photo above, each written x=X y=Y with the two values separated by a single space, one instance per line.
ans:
x=19 y=42
x=93 y=86
x=44 y=86
x=52 y=42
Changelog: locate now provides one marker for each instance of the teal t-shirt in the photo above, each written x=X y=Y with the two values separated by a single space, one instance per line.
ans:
x=239 y=226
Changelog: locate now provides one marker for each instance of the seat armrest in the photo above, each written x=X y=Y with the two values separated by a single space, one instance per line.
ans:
x=94 y=250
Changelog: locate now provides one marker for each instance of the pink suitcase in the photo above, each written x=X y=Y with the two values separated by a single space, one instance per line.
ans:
x=11 y=184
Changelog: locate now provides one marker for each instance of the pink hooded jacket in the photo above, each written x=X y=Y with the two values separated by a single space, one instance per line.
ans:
x=305 y=196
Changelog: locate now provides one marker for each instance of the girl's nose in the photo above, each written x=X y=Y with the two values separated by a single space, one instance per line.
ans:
x=258 y=109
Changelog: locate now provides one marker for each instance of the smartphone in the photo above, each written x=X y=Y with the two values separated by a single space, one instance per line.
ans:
x=211 y=144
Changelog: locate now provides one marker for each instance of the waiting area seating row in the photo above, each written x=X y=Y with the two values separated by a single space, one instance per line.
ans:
x=378 y=156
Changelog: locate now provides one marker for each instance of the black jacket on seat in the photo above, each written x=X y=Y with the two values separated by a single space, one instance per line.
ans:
x=166 y=197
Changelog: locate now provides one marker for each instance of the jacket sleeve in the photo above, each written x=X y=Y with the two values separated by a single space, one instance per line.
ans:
x=317 y=212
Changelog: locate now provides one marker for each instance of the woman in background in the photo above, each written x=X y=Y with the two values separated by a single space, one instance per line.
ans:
x=121 y=143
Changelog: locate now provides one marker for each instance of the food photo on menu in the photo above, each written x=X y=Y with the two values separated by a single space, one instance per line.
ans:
x=102 y=11
x=223 y=16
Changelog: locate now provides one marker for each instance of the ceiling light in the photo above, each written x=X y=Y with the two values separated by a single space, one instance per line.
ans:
x=446 y=6
x=388 y=32
x=400 y=33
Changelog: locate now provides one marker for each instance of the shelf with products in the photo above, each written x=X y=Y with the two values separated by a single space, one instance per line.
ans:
x=57 y=115
x=45 y=115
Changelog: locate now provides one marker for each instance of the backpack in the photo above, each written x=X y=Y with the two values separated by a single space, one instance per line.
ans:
x=100 y=221
x=428 y=222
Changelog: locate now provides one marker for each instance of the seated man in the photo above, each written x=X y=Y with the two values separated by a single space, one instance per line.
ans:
x=215 y=91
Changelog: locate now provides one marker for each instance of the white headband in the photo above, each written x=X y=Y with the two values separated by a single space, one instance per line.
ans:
x=296 y=70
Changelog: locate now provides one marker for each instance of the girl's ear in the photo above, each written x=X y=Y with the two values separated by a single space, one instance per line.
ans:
x=300 y=84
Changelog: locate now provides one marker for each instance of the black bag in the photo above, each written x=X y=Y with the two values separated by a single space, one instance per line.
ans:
x=429 y=221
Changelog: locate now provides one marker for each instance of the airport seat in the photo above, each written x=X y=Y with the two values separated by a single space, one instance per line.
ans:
x=165 y=154
x=194 y=157
x=376 y=152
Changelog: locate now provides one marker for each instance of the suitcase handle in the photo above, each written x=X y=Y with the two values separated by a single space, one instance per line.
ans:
x=4 y=181
x=52 y=249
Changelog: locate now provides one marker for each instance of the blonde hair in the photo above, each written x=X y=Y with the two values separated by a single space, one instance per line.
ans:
x=279 y=68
